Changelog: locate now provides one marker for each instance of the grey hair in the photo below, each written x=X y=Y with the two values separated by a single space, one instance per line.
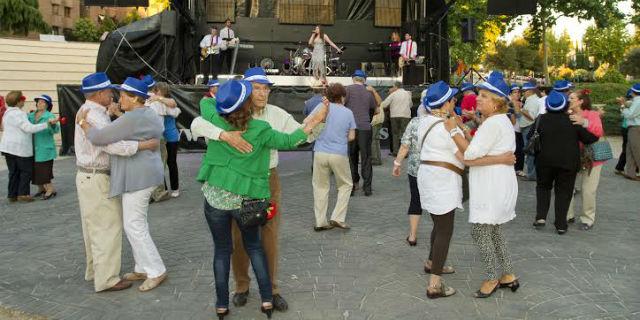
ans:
x=359 y=79
x=397 y=84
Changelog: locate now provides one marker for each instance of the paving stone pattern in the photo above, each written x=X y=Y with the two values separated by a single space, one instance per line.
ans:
x=368 y=272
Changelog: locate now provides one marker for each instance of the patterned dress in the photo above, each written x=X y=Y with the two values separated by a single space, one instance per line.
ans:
x=317 y=59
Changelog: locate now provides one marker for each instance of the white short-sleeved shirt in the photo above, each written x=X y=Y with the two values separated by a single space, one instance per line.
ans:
x=440 y=188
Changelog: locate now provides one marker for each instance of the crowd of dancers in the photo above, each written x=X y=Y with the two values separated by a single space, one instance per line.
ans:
x=465 y=144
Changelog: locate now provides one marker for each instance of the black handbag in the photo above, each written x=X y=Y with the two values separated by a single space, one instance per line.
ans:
x=534 y=145
x=252 y=213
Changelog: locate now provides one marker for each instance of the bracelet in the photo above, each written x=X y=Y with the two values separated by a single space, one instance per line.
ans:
x=396 y=163
x=455 y=131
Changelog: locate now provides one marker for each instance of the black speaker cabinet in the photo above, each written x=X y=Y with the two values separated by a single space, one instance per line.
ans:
x=468 y=29
x=414 y=74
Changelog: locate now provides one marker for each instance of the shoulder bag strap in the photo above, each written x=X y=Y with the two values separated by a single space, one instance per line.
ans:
x=427 y=133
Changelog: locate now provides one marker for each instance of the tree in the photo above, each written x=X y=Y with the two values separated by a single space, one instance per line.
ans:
x=607 y=45
x=21 y=16
x=514 y=57
x=558 y=48
x=631 y=63
x=84 y=30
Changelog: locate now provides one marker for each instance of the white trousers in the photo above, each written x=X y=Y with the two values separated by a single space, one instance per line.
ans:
x=135 y=206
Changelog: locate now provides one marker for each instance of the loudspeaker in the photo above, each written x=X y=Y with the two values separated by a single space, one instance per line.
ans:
x=468 y=29
x=511 y=7
x=117 y=3
x=168 y=23
x=414 y=74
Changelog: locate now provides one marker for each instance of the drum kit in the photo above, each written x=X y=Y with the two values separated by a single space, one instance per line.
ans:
x=299 y=61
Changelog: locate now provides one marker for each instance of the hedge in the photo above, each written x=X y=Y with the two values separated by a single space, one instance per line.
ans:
x=606 y=93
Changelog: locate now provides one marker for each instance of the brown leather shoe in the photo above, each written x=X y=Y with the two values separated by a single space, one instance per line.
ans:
x=134 y=276
x=25 y=199
x=121 y=285
x=12 y=199
x=152 y=283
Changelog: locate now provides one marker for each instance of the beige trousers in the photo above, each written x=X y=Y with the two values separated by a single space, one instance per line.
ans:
x=323 y=165
x=588 y=188
x=101 y=228
x=160 y=193
x=633 y=151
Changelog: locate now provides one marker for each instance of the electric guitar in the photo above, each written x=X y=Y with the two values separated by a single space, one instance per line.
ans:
x=205 y=52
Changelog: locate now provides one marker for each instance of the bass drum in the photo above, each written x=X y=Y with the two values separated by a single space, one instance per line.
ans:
x=307 y=53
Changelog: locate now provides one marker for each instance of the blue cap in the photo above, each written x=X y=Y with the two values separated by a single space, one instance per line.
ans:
x=359 y=73
x=232 y=95
x=437 y=94
x=213 y=83
x=562 y=85
x=96 y=82
x=635 y=88
x=257 y=75
x=529 y=86
x=514 y=87
x=148 y=79
x=496 y=84
x=556 y=101
x=135 y=86
x=45 y=98
x=466 y=86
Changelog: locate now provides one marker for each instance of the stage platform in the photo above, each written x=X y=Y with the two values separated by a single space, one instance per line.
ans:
x=308 y=81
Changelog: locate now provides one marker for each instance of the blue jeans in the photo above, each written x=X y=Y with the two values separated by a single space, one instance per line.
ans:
x=529 y=160
x=219 y=222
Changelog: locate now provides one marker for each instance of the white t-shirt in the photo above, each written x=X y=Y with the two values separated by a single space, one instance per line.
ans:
x=440 y=188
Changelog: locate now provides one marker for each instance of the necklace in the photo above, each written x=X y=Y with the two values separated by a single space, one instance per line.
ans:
x=440 y=113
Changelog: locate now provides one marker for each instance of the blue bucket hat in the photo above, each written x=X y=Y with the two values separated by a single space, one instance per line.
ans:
x=528 y=86
x=496 y=84
x=562 y=85
x=556 y=101
x=514 y=87
x=148 y=79
x=96 y=82
x=213 y=83
x=466 y=86
x=232 y=95
x=359 y=73
x=437 y=94
x=45 y=98
x=257 y=75
x=635 y=88
x=135 y=86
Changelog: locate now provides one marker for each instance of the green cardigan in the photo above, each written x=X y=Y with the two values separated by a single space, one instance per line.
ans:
x=44 y=146
x=245 y=174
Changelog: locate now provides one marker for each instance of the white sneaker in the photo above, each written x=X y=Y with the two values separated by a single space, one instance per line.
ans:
x=175 y=193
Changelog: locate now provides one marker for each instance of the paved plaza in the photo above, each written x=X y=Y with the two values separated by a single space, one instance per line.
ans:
x=368 y=272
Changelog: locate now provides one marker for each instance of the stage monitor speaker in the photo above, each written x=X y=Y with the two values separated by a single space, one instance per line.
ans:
x=168 y=23
x=414 y=74
x=511 y=7
x=468 y=29
x=117 y=3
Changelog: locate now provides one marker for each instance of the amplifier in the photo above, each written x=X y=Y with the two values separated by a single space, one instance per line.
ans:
x=414 y=74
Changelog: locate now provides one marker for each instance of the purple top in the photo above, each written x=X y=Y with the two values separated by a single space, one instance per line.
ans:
x=362 y=103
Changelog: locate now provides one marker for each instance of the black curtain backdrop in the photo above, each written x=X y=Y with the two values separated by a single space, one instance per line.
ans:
x=188 y=98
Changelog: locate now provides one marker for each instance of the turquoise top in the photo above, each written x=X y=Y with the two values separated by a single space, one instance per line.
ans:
x=632 y=114
x=44 y=146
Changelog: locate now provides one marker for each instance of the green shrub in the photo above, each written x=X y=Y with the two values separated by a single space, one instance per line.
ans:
x=581 y=75
x=84 y=30
x=606 y=93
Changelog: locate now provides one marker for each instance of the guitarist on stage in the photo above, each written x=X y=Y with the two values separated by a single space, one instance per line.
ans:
x=211 y=62
x=408 y=52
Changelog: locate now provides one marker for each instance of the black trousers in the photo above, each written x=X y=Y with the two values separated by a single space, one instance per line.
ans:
x=622 y=160
x=20 y=169
x=225 y=58
x=440 y=240
x=519 y=166
x=360 y=152
x=172 y=163
x=211 y=66
x=562 y=181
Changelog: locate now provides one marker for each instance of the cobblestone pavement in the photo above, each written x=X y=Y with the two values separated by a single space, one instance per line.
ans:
x=366 y=273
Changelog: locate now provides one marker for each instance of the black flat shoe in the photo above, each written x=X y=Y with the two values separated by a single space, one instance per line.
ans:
x=412 y=243
x=47 y=197
x=221 y=315
x=513 y=285
x=267 y=311
x=240 y=298
x=279 y=303
x=539 y=223
x=572 y=220
x=482 y=295
x=560 y=231
x=323 y=228
x=39 y=194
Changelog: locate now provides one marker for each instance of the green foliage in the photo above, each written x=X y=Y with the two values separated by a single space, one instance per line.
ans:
x=558 y=48
x=131 y=17
x=21 y=16
x=608 y=74
x=84 y=30
x=581 y=75
x=606 y=93
x=517 y=57
x=631 y=63
x=107 y=24
x=608 y=44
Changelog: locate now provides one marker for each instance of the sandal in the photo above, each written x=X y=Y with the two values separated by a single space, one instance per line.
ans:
x=442 y=292
x=134 y=276
x=480 y=294
x=152 y=283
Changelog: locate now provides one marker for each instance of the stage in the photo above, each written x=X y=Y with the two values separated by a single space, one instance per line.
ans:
x=309 y=81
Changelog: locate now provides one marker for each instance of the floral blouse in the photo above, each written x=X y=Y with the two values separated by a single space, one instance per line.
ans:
x=410 y=138
x=220 y=198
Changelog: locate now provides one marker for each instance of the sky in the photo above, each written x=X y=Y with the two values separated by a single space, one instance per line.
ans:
x=575 y=27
